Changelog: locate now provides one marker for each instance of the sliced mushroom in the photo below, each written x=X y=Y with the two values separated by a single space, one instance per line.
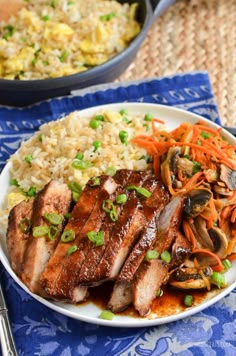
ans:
x=191 y=278
x=201 y=233
x=228 y=176
x=169 y=166
x=219 y=240
x=185 y=166
x=222 y=190
x=196 y=201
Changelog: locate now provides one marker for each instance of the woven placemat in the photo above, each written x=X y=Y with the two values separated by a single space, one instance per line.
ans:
x=193 y=35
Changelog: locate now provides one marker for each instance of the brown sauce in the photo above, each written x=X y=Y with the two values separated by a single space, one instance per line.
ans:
x=170 y=303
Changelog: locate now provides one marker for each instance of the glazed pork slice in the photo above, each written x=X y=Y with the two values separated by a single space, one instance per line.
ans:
x=96 y=252
x=18 y=233
x=54 y=198
x=181 y=250
x=155 y=271
x=152 y=208
x=61 y=285
x=124 y=234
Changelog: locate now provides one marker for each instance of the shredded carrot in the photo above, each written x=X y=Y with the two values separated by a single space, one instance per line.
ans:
x=230 y=247
x=233 y=216
x=189 y=233
x=156 y=164
x=232 y=257
x=212 y=254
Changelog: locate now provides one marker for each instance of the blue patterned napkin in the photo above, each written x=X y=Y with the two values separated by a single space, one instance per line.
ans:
x=41 y=331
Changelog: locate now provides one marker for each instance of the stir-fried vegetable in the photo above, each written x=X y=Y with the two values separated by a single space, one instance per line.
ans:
x=196 y=161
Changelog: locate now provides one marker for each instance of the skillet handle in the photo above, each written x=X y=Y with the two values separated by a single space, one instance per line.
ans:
x=159 y=6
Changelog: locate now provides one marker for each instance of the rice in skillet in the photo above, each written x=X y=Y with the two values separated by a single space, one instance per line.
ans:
x=55 y=38
x=75 y=148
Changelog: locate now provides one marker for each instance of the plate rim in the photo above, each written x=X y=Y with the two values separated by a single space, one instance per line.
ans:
x=136 y=321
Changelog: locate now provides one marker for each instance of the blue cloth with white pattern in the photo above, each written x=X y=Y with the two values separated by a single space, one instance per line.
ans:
x=39 y=330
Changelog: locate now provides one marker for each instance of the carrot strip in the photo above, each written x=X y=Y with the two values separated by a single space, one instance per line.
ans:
x=156 y=164
x=212 y=254
x=232 y=257
x=230 y=247
x=189 y=233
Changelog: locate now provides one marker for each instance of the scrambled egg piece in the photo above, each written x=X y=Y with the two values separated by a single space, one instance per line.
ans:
x=14 y=198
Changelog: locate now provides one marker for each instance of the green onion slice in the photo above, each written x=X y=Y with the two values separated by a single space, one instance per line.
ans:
x=188 y=300
x=110 y=171
x=123 y=135
x=40 y=231
x=140 y=190
x=96 y=237
x=25 y=225
x=151 y=255
x=53 y=232
x=68 y=235
x=166 y=256
x=227 y=264
x=53 y=218
x=72 y=249
x=96 y=181
x=121 y=199
x=107 y=315
x=80 y=164
x=218 y=279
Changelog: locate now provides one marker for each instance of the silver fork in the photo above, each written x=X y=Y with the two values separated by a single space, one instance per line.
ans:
x=7 y=341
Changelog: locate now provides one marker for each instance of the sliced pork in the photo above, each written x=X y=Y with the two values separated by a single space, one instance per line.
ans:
x=156 y=271
x=55 y=198
x=59 y=280
x=18 y=233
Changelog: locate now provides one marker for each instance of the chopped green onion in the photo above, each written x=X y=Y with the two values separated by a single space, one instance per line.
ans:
x=34 y=61
x=110 y=208
x=40 y=231
x=67 y=215
x=28 y=159
x=63 y=57
x=45 y=63
x=14 y=182
x=218 y=279
x=121 y=199
x=96 y=145
x=45 y=18
x=127 y=121
x=196 y=167
x=188 y=300
x=68 y=235
x=166 y=256
x=107 y=17
x=72 y=249
x=123 y=112
x=148 y=117
x=113 y=215
x=151 y=255
x=25 y=225
x=54 y=3
x=110 y=171
x=107 y=205
x=9 y=32
x=96 y=237
x=123 y=135
x=75 y=187
x=146 y=158
x=53 y=232
x=31 y=192
x=107 y=315
x=94 y=124
x=186 y=156
x=53 y=218
x=227 y=264
x=159 y=292
x=205 y=134
x=79 y=156
x=147 y=127
x=96 y=181
x=40 y=137
x=140 y=190
x=80 y=164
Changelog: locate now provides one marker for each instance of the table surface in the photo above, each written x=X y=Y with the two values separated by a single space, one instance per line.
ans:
x=193 y=35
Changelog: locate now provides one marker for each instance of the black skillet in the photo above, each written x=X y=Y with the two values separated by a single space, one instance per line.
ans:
x=22 y=93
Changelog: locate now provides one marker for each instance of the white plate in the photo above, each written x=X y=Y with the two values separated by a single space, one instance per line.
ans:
x=89 y=312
